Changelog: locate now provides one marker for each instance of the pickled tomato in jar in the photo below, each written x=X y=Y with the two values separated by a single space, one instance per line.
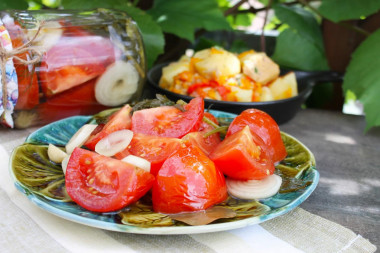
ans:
x=74 y=63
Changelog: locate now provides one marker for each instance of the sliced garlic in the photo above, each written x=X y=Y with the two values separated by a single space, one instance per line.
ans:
x=114 y=142
x=254 y=189
x=56 y=154
x=80 y=137
x=64 y=164
x=138 y=162
x=117 y=84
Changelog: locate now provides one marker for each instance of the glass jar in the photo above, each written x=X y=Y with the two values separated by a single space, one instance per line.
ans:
x=62 y=63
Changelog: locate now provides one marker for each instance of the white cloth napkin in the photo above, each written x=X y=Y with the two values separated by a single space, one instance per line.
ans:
x=27 y=228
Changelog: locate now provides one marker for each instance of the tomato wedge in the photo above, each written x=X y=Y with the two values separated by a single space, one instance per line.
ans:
x=264 y=126
x=206 y=144
x=118 y=121
x=188 y=181
x=155 y=149
x=79 y=100
x=169 y=121
x=102 y=184
x=243 y=155
x=73 y=61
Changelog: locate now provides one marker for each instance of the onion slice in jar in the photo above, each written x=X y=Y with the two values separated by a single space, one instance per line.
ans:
x=55 y=154
x=254 y=189
x=138 y=162
x=117 y=84
x=80 y=137
x=114 y=142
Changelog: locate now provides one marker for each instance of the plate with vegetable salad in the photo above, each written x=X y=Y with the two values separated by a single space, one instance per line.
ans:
x=160 y=167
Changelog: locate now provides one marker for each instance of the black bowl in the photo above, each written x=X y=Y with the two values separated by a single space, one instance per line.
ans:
x=281 y=110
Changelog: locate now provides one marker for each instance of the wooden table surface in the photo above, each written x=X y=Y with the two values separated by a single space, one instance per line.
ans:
x=349 y=164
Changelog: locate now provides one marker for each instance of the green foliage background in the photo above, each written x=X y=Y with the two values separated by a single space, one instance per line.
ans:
x=298 y=46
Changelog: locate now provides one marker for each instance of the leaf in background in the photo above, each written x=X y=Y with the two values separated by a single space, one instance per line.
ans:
x=13 y=4
x=151 y=32
x=301 y=45
x=85 y=4
x=241 y=20
x=338 y=10
x=363 y=77
x=203 y=43
x=294 y=51
x=301 y=21
x=239 y=46
x=183 y=17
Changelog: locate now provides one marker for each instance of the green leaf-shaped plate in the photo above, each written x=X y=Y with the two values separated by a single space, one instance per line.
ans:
x=42 y=181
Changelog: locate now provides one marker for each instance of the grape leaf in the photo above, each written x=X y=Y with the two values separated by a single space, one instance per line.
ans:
x=294 y=51
x=182 y=18
x=151 y=32
x=301 y=45
x=301 y=21
x=363 y=77
x=14 y=4
x=338 y=10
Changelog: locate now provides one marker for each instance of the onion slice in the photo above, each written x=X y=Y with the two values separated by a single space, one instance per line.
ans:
x=138 y=162
x=80 y=137
x=254 y=189
x=114 y=142
x=117 y=84
x=55 y=154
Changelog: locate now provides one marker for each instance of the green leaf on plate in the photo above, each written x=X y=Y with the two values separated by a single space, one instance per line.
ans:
x=363 y=77
x=294 y=51
x=338 y=10
x=151 y=32
x=33 y=169
x=184 y=17
x=14 y=4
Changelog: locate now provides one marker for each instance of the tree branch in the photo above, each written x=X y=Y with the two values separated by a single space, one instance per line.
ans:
x=262 y=39
x=253 y=10
x=234 y=9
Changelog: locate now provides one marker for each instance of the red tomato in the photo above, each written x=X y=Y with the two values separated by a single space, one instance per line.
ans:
x=206 y=144
x=102 y=184
x=244 y=156
x=168 y=121
x=188 y=181
x=73 y=61
x=79 y=100
x=118 y=121
x=264 y=126
x=155 y=149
